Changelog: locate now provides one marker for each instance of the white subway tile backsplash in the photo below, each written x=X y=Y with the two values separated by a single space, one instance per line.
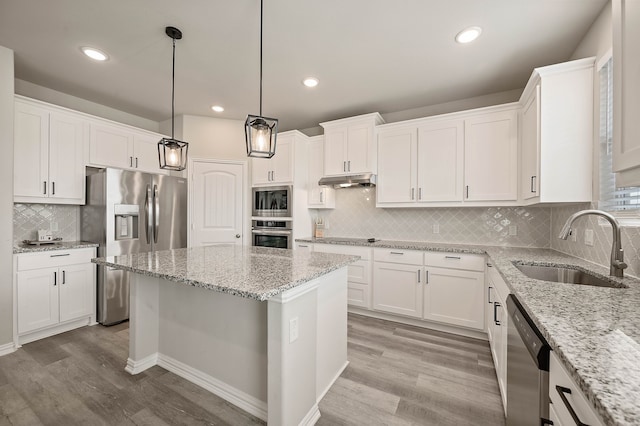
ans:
x=356 y=216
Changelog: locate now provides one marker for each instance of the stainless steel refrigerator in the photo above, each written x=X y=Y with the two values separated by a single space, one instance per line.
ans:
x=130 y=212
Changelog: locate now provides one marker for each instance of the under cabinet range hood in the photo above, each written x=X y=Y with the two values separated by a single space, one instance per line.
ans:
x=364 y=179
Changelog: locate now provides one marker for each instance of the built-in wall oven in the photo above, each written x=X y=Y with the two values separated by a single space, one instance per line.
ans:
x=268 y=232
x=272 y=201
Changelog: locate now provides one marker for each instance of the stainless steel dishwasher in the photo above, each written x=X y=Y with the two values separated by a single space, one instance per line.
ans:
x=527 y=370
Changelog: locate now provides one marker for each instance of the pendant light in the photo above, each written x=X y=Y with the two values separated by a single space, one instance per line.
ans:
x=261 y=132
x=172 y=153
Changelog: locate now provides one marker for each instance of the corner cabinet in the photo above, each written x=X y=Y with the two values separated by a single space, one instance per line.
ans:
x=121 y=146
x=55 y=292
x=349 y=145
x=556 y=133
x=319 y=197
x=49 y=146
x=626 y=92
x=279 y=168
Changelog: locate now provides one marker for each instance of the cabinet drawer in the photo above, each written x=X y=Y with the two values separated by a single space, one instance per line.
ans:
x=54 y=258
x=558 y=376
x=408 y=257
x=363 y=252
x=469 y=262
x=497 y=282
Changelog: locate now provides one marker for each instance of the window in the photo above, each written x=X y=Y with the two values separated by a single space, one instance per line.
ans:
x=623 y=202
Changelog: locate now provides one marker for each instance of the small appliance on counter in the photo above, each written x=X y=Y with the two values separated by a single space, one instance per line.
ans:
x=44 y=235
x=318 y=228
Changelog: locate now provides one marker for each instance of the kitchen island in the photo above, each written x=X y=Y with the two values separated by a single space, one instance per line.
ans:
x=265 y=329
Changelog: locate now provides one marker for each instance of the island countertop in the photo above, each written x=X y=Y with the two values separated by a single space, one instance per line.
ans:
x=257 y=273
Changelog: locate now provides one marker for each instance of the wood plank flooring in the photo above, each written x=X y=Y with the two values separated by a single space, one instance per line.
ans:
x=398 y=375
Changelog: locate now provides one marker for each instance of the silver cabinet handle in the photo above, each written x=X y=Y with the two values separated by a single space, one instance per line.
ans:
x=273 y=175
x=427 y=276
x=136 y=162
x=496 y=305
x=418 y=276
x=489 y=295
x=55 y=278
x=419 y=193
x=321 y=191
x=562 y=391
x=302 y=245
x=452 y=257
x=533 y=183
x=467 y=191
x=349 y=165
x=344 y=166
x=130 y=161
x=53 y=188
x=396 y=252
x=156 y=214
x=64 y=277
x=413 y=190
x=59 y=255
x=45 y=187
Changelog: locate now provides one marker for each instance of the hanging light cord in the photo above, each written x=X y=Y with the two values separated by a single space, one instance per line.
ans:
x=173 y=85
x=261 y=2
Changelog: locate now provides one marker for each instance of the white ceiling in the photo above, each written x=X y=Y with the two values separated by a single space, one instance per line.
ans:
x=369 y=55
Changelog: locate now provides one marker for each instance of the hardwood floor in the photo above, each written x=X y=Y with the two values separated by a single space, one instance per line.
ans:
x=398 y=375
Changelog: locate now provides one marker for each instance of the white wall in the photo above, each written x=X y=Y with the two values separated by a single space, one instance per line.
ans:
x=6 y=195
x=44 y=94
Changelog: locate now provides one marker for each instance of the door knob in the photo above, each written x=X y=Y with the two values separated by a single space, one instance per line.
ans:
x=237 y=235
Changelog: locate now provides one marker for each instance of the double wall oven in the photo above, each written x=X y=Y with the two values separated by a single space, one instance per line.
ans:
x=271 y=224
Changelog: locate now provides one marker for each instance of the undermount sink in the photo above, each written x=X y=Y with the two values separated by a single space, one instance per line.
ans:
x=565 y=275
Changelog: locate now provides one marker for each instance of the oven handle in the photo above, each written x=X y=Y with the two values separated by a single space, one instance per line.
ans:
x=270 y=232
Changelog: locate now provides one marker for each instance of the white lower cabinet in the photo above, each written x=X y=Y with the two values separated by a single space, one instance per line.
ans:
x=54 y=288
x=497 y=322
x=398 y=288
x=358 y=273
x=568 y=405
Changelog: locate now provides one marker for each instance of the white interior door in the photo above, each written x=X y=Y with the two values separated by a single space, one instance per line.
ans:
x=217 y=200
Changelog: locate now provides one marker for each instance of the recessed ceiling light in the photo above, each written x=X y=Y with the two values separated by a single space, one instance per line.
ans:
x=217 y=108
x=310 y=82
x=468 y=35
x=94 y=54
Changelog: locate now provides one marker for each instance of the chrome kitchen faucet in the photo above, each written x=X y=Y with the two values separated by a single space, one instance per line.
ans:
x=617 y=254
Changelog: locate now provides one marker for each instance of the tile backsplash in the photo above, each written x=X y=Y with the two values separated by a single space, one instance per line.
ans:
x=62 y=220
x=356 y=216
x=600 y=252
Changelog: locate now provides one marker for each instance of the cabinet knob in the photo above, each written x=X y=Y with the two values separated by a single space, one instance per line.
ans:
x=237 y=235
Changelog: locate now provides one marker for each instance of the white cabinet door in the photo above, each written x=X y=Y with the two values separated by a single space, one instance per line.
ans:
x=440 y=161
x=359 y=155
x=261 y=171
x=626 y=89
x=398 y=289
x=66 y=157
x=282 y=161
x=318 y=197
x=110 y=146
x=145 y=153
x=491 y=157
x=335 y=146
x=75 y=284
x=31 y=151
x=530 y=146
x=37 y=299
x=454 y=297
x=396 y=166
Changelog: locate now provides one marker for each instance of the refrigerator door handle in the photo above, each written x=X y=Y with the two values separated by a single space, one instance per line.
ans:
x=156 y=214
x=147 y=211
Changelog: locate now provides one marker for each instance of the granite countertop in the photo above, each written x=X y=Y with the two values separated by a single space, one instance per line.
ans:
x=58 y=245
x=595 y=331
x=253 y=272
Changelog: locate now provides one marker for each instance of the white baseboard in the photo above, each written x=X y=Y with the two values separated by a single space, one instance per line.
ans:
x=51 y=331
x=476 y=334
x=135 y=367
x=240 y=399
x=324 y=392
x=312 y=416
x=8 y=348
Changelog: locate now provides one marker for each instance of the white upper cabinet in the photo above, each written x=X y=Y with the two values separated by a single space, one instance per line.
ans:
x=349 y=145
x=278 y=169
x=626 y=91
x=556 y=132
x=116 y=145
x=48 y=154
x=319 y=197
x=491 y=156
x=461 y=158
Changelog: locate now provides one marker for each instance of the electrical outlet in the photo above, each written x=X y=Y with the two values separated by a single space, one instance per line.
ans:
x=513 y=230
x=436 y=228
x=588 y=237
x=54 y=226
x=293 y=329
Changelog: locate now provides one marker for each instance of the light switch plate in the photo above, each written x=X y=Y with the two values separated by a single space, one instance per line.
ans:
x=588 y=237
x=293 y=329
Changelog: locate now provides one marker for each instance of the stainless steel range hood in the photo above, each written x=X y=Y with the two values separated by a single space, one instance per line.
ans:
x=365 y=179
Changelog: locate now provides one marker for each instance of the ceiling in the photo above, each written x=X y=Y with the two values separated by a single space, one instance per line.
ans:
x=369 y=55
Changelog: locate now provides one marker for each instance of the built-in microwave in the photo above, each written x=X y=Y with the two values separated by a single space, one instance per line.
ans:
x=272 y=201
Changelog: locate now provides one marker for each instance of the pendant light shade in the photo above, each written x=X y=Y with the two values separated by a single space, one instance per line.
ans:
x=172 y=153
x=261 y=132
